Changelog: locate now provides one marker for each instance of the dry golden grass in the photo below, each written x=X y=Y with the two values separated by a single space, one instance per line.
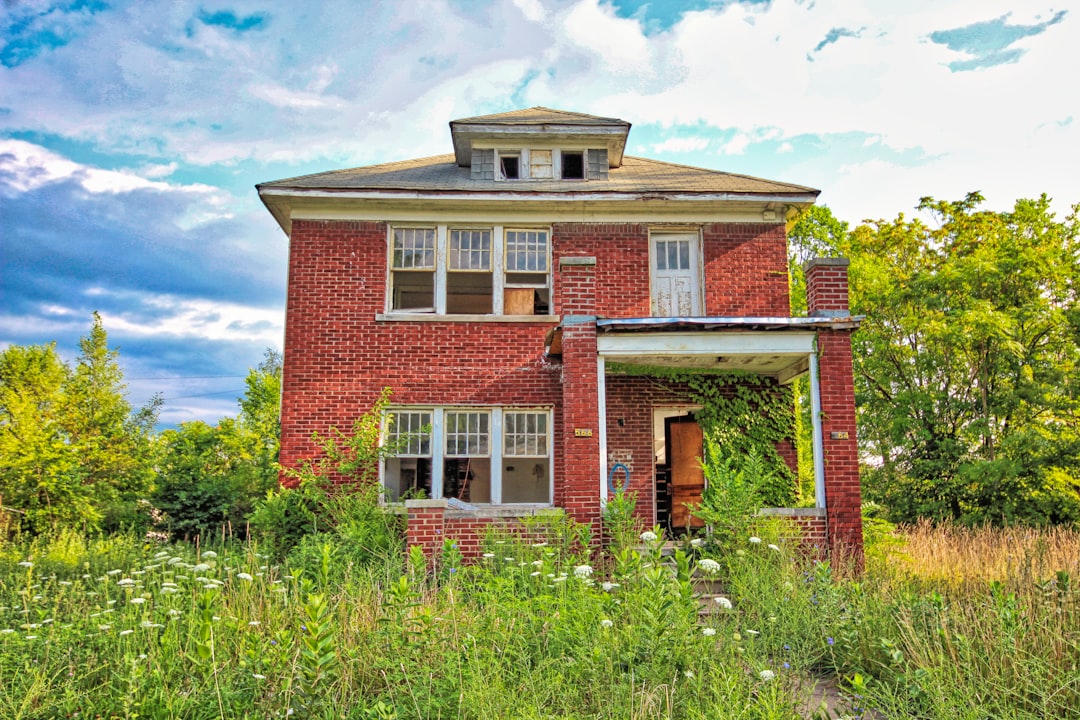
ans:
x=953 y=553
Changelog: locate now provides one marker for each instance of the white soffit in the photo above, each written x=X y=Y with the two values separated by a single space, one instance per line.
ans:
x=631 y=345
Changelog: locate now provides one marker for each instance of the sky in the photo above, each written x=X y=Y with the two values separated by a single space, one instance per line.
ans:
x=132 y=133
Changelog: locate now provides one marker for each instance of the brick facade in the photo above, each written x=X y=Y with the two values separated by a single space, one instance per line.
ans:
x=339 y=355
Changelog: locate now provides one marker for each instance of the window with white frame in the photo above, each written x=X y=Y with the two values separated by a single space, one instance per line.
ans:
x=477 y=455
x=408 y=436
x=412 y=269
x=470 y=270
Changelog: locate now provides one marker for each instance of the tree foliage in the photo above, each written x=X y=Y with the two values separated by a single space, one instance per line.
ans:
x=966 y=366
x=73 y=452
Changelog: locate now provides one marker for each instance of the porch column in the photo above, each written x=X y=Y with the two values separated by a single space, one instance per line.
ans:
x=581 y=431
x=827 y=296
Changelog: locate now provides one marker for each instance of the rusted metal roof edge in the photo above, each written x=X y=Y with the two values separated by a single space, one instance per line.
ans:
x=661 y=324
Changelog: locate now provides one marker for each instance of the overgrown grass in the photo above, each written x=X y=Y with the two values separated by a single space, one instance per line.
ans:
x=115 y=628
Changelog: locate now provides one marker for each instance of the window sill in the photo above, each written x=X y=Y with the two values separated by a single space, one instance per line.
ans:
x=433 y=318
x=478 y=511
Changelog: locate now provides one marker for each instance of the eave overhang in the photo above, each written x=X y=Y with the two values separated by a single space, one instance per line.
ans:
x=284 y=202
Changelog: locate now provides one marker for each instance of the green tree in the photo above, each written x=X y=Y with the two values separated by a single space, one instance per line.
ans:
x=210 y=476
x=967 y=363
x=72 y=450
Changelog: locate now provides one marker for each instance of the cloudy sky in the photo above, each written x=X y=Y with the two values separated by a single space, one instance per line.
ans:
x=132 y=133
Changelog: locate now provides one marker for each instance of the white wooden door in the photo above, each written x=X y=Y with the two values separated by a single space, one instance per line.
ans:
x=676 y=287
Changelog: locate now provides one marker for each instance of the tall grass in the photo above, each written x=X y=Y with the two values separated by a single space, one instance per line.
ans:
x=116 y=628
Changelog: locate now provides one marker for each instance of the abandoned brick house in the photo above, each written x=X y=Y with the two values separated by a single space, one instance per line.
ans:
x=498 y=290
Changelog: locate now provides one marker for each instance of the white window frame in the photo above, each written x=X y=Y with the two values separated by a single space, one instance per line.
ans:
x=526 y=164
x=496 y=447
x=498 y=265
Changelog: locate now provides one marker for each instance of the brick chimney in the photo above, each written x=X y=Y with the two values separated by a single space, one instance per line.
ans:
x=827 y=287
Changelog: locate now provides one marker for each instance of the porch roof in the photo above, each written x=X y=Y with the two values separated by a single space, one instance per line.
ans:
x=778 y=347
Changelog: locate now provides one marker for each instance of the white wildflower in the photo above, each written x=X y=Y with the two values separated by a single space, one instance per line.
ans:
x=126 y=582
x=752 y=633
x=138 y=600
x=31 y=637
x=539 y=544
x=696 y=543
x=254 y=623
x=126 y=632
x=168 y=590
x=755 y=540
x=688 y=674
x=723 y=602
x=146 y=624
x=65 y=583
x=648 y=536
x=709 y=565
x=6 y=631
x=536 y=573
x=608 y=586
x=538 y=563
x=104 y=628
x=708 y=632
x=174 y=613
x=583 y=571
x=114 y=572
x=245 y=576
x=767 y=675
x=257 y=676
x=26 y=564
x=209 y=554
x=201 y=567
x=605 y=623
x=489 y=555
x=774 y=548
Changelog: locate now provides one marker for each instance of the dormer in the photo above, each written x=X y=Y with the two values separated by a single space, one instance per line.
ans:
x=539 y=144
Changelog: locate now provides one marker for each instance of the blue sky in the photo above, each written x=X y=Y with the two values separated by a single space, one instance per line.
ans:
x=132 y=133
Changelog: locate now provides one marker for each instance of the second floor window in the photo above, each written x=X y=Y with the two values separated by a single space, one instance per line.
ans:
x=470 y=271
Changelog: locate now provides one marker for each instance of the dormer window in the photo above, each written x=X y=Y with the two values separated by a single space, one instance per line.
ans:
x=573 y=166
x=509 y=166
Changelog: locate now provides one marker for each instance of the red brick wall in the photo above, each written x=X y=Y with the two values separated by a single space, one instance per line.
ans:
x=827 y=286
x=338 y=357
x=746 y=271
x=745 y=267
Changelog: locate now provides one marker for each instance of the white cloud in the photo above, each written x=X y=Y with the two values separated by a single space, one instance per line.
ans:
x=533 y=10
x=681 y=144
x=168 y=316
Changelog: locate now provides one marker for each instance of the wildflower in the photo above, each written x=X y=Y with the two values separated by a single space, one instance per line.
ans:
x=583 y=571
x=767 y=675
x=830 y=640
x=489 y=555
x=209 y=554
x=774 y=548
x=538 y=563
x=561 y=578
x=708 y=632
x=168 y=590
x=245 y=576
x=254 y=623
x=755 y=540
x=605 y=623
x=608 y=586
x=146 y=624
x=114 y=572
x=787 y=665
x=539 y=544
x=126 y=582
x=508 y=559
x=723 y=602
x=535 y=574
x=26 y=564
x=138 y=600
x=257 y=676
x=688 y=674
x=174 y=613
x=709 y=565
x=126 y=632
x=104 y=628
x=752 y=633
x=696 y=543
x=648 y=536
x=201 y=567
x=6 y=631
x=65 y=583
x=31 y=637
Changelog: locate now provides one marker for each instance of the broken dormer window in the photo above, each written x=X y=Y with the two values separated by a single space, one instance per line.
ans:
x=573 y=166
x=508 y=166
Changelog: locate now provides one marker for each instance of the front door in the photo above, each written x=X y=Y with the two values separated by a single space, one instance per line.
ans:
x=676 y=290
x=684 y=440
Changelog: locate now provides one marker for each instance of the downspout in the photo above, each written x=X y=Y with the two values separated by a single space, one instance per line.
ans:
x=601 y=406
x=818 y=436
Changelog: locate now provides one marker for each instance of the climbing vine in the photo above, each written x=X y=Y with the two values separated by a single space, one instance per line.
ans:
x=743 y=414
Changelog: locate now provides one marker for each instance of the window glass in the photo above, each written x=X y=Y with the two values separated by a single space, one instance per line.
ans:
x=526 y=251
x=466 y=433
x=410 y=433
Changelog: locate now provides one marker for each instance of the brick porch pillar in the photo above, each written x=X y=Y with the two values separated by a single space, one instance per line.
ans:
x=580 y=491
x=827 y=296
x=425 y=525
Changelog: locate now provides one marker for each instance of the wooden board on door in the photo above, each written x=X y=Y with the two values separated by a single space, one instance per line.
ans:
x=687 y=479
